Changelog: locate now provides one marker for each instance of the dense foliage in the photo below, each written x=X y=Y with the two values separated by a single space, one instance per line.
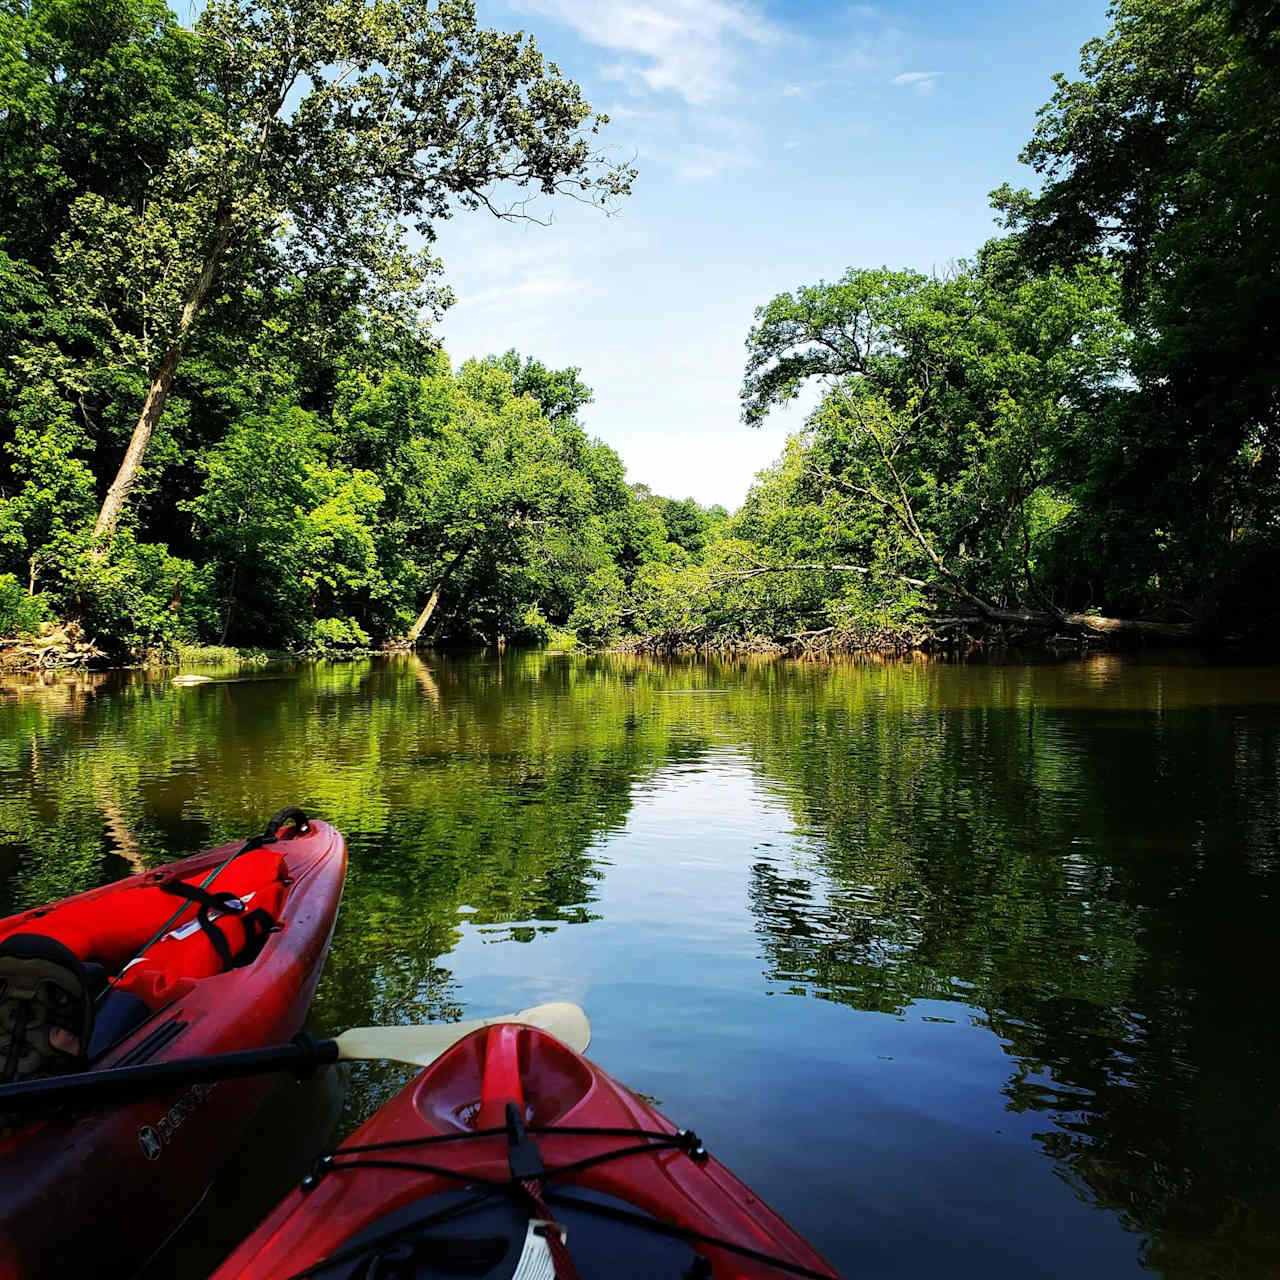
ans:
x=1164 y=161
x=222 y=418
x=1083 y=419
x=221 y=414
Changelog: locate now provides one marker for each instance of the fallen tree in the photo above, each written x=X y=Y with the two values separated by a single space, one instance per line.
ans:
x=741 y=604
x=981 y=613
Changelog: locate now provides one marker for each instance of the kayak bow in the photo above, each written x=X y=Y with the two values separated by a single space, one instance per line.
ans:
x=507 y=1154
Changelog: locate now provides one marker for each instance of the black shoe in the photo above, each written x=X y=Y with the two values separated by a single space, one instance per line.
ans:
x=46 y=1010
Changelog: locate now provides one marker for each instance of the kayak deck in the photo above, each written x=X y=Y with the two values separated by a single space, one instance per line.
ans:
x=507 y=1128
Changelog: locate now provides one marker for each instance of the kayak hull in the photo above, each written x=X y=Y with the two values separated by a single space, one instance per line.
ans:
x=555 y=1089
x=103 y=1187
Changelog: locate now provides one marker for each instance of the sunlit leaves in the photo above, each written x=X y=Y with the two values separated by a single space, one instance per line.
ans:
x=953 y=417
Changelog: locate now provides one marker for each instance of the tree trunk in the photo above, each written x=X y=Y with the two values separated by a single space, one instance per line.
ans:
x=1080 y=623
x=157 y=394
x=152 y=408
x=231 y=604
x=415 y=631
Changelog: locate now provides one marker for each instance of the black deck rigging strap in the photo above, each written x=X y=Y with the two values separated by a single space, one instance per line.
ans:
x=290 y=813
x=257 y=923
x=208 y=902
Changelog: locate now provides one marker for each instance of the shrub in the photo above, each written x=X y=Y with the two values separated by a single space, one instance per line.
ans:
x=20 y=614
x=560 y=641
x=141 y=596
x=207 y=655
x=338 y=633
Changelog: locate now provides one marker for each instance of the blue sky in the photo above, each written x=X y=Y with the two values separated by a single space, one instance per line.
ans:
x=777 y=145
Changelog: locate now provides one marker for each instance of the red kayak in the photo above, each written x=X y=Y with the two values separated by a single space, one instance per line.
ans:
x=218 y=952
x=513 y=1156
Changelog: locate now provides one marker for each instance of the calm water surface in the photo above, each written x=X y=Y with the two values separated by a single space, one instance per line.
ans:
x=966 y=969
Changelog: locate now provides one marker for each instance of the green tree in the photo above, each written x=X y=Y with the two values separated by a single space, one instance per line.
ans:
x=480 y=494
x=1162 y=157
x=294 y=537
x=94 y=97
x=560 y=393
x=323 y=130
x=940 y=453
x=688 y=524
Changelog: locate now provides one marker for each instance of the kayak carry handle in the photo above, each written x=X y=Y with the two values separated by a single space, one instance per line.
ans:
x=500 y=1083
x=290 y=813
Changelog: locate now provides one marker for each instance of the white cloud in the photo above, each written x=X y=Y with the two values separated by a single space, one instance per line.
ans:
x=687 y=47
x=535 y=286
x=620 y=112
x=811 y=88
x=509 y=270
x=874 y=46
x=920 y=81
x=700 y=162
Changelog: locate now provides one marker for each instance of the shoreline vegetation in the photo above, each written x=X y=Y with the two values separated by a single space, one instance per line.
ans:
x=65 y=648
x=226 y=425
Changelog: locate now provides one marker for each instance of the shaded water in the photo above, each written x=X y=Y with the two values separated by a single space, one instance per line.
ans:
x=961 y=967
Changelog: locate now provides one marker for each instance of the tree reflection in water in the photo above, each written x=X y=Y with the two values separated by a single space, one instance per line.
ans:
x=1096 y=878
x=1081 y=858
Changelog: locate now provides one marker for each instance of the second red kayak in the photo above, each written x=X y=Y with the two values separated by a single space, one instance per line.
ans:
x=219 y=952
x=514 y=1156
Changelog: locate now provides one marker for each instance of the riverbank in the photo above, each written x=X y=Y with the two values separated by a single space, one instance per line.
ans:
x=1013 y=631
x=54 y=648
x=1000 y=631
x=66 y=649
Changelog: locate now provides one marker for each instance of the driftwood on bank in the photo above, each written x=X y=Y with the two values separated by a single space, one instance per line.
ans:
x=1022 y=629
x=957 y=633
x=60 y=649
x=1087 y=624
x=975 y=617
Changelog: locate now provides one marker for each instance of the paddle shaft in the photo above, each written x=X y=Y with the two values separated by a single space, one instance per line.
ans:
x=416 y=1045
x=115 y=1083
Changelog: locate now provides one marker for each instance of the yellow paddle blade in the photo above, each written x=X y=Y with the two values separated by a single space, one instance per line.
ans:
x=423 y=1043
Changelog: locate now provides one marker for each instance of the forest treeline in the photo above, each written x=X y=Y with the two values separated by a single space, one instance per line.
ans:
x=1081 y=420
x=223 y=418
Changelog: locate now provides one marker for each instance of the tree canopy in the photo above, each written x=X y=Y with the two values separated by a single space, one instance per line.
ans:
x=223 y=417
x=221 y=410
x=1163 y=159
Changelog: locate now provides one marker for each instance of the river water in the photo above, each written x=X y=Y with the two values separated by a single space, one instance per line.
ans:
x=965 y=968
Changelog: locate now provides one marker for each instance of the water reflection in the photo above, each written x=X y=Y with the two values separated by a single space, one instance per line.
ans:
x=1076 y=862
x=1097 y=879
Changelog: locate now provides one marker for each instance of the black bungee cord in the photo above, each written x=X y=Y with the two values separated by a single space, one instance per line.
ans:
x=682 y=1140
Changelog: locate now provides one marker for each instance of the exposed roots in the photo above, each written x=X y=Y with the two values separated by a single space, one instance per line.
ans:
x=59 y=649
